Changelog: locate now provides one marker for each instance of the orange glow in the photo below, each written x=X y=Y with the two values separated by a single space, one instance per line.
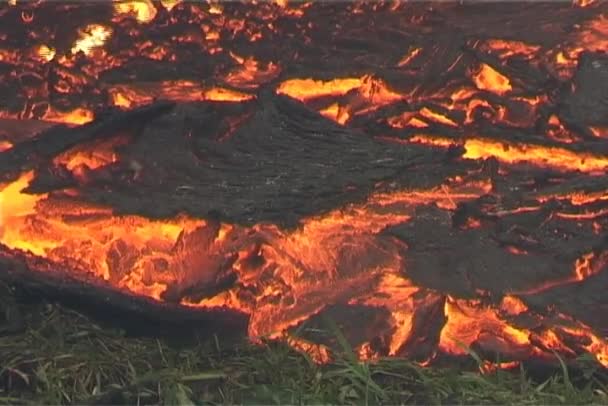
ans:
x=431 y=115
x=251 y=74
x=365 y=352
x=91 y=37
x=506 y=48
x=326 y=250
x=512 y=305
x=596 y=346
x=407 y=119
x=583 y=3
x=553 y=157
x=491 y=367
x=437 y=141
x=578 y=198
x=360 y=95
x=600 y=132
x=91 y=157
x=409 y=57
x=76 y=116
x=336 y=113
x=557 y=158
x=169 y=4
x=516 y=251
x=5 y=145
x=586 y=266
x=469 y=323
x=179 y=91
x=319 y=354
x=14 y=203
x=143 y=10
x=487 y=78
x=222 y=94
x=398 y=296
x=45 y=53
x=305 y=89
x=59 y=239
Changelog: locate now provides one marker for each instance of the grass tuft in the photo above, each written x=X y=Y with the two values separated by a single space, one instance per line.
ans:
x=53 y=355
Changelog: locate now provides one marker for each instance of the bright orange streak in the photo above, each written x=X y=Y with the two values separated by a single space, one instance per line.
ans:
x=586 y=266
x=76 y=116
x=583 y=216
x=407 y=119
x=554 y=157
x=431 y=115
x=222 y=94
x=305 y=89
x=487 y=78
x=409 y=57
x=507 y=48
x=360 y=95
x=437 y=141
x=180 y=91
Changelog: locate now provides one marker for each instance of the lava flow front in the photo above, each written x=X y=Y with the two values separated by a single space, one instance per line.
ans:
x=430 y=176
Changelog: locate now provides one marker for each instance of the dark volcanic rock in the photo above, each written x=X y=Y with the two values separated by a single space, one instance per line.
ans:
x=282 y=163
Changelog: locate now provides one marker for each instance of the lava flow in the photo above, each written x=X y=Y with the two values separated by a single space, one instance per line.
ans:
x=422 y=175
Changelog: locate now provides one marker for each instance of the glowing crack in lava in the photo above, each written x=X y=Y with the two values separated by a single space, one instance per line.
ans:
x=504 y=108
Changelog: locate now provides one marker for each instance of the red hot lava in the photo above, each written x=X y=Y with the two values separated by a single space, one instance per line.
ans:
x=430 y=76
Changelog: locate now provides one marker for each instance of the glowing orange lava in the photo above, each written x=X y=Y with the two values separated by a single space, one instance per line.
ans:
x=92 y=36
x=304 y=89
x=180 y=91
x=491 y=80
x=346 y=256
x=143 y=10
x=553 y=157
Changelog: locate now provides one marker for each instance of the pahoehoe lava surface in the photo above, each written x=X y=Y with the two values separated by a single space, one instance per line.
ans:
x=283 y=163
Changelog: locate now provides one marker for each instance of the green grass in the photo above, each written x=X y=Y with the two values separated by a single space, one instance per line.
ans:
x=53 y=355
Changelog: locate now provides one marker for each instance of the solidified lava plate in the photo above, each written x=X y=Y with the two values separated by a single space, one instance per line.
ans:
x=430 y=176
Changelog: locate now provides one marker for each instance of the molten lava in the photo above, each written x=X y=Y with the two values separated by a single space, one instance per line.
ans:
x=501 y=142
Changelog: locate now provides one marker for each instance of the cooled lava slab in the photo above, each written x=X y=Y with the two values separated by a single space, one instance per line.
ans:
x=283 y=162
x=587 y=104
x=513 y=253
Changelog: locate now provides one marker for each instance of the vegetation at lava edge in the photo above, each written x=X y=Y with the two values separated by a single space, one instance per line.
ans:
x=52 y=355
